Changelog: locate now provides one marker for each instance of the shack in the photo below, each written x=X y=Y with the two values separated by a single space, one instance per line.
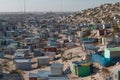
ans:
x=81 y=69
x=37 y=52
x=23 y=64
x=50 y=49
x=51 y=55
x=43 y=75
x=19 y=55
x=52 y=42
x=24 y=51
x=10 y=49
x=16 y=44
x=102 y=32
x=42 y=61
x=90 y=40
x=99 y=59
x=40 y=45
x=57 y=69
x=111 y=53
x=32 y=76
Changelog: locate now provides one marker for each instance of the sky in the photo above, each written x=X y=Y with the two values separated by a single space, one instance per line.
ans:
x=50 y=5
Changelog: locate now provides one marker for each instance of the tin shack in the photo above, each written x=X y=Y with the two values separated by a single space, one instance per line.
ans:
x=43 y=60
x=57 y=69
x=112 y=53
x=50 y=49
x=81 y=69
x=23 y=64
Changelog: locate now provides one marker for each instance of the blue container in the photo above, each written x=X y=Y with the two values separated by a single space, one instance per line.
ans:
x=90 y=40
x=103 y=61
x=113 y=61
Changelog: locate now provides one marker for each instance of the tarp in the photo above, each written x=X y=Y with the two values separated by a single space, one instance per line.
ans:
x=98 y=58
x=102 y=61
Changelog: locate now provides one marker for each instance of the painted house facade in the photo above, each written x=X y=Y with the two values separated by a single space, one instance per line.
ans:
x=110 y=53
x=23 y=64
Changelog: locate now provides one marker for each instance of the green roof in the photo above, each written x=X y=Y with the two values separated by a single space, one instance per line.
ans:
x=114 y=49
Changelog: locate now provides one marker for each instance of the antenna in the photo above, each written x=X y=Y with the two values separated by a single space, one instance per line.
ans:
x=61 y=5
x=24 y=6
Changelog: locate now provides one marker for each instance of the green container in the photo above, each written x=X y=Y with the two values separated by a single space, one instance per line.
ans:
x=81 y=70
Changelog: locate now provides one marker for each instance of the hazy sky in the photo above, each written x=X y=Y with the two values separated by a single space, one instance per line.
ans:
x=50 y=5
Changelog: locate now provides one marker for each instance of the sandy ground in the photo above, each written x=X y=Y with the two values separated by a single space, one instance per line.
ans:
x=75 y=51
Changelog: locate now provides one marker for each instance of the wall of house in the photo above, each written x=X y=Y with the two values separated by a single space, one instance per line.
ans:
x=99 y=59
x=43 y=61
x=107 y=54
x=23 y=65
x=73 y=68
x=0 y=69
x=83 y=71
x=114 y=54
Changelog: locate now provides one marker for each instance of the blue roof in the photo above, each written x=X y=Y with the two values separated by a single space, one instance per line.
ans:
x=90 y=40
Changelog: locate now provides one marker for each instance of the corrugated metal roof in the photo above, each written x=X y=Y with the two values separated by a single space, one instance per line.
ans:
x=43 y=57
x=21 y=50
x=57 y=65
x=62 y=77
x=114 y=49
x=82 y=63
x=22 y=60
x=43 y=73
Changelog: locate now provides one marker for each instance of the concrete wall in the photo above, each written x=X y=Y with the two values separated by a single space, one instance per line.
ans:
x=43 y=61
x=24 y=65
x=116 y=74
x=106 y=53
x=115 y=54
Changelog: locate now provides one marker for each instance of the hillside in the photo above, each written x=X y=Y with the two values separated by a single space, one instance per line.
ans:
x=104 y=13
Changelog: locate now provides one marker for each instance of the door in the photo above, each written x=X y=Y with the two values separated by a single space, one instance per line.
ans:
x=76 y=70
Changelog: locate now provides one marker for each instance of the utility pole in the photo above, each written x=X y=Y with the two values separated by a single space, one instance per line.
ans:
x=24 y=6
x=61 y=5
